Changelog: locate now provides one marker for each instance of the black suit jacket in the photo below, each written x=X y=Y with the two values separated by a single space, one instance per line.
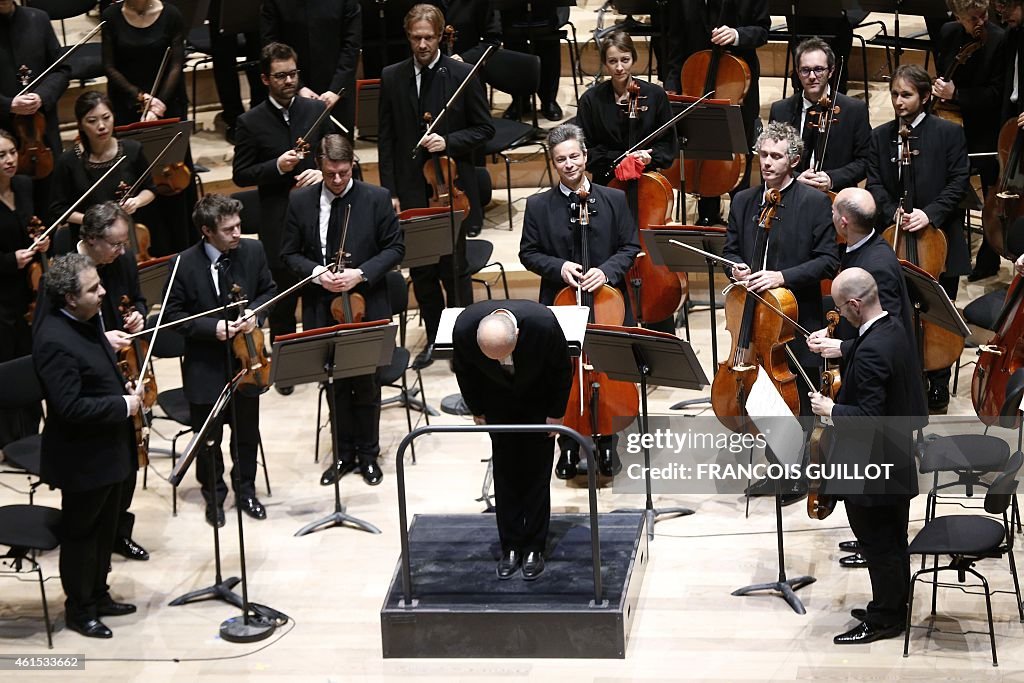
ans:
x=204 y=373
x=374 y=240
x=876 y=412
x=549 y=239
x=802 y=245
x=466 y=126
x=539 y=387
x=941 y=174
x=1014 y=54
x=34 y=44
x=88 y=440
x=261 y=137
x=846 y=156
x=979 y=82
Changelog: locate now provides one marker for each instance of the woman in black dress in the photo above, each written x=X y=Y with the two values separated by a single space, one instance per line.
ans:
x=15 y=292
x=602 y=114
x=135 y=38
x=96 y=151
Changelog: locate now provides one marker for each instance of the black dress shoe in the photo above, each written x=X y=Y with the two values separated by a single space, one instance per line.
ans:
x=982 y=273
x=859 y=613
x=371 y=472
x=533 y=565
x=109 y=608
x=853 y=561
x=424 y=358
x=253 y=507
x=849 y=546
x=284 y=391
x=128 y=548
x=215 y=516
x=565 y=468
x=508 y=564
x=865 y=633
x=551 y=111
x=336 y=471
x=608 y=462
x=938 y=399
x=90 y=628
x=473 y=231
x=513 y=113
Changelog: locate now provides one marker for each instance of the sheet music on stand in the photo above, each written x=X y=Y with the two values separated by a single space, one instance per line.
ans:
x=428 y=235
x=154 y=136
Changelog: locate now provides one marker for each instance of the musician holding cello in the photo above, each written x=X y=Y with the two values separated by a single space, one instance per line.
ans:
x=206 y=273
x=835 y=128
x=971 y=57
x=937 y=173
x=345 y=215
x=409 y=89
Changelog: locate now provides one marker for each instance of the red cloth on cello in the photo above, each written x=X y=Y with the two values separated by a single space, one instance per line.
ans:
x=631 y=168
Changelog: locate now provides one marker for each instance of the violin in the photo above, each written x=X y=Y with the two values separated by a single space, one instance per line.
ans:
x=443 y=177
x=998 y=360
x=140 y=422
x=348 y=307
x=728 y=76
x=597 y=405
x=134 y=354
x=251 y=351
x=819 y=505
x=1003 y=206
x=172 y=179
x=947 y=109
x=138 y=236
x=655 y=291
x=35 y=159
x=37 y=268
x=758 y=338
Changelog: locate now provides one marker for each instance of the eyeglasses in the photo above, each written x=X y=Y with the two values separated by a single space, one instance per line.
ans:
x=840 y=306
x=118 y=245
x=285 y=75
x=816 y=70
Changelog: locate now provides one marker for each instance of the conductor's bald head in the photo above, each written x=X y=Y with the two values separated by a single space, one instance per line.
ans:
x=853 y=214
x=496 y=335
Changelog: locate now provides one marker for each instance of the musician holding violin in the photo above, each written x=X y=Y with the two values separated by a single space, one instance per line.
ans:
x=345 y=216
x=207 y=272
x=935 y=166
x=970 y=59
x=835 y=128
x=874 y=418
x=96 y=151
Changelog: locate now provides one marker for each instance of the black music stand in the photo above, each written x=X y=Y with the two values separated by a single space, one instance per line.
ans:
x=679 y=260
x=635 y=357
x=153 y=275
x=931 y=304
x=709 y=131
x=155 y=135
x=321 y=356
x=920 y=8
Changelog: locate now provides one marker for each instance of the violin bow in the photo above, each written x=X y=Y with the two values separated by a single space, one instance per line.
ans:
x=46 y=233
x=156 y=82
x=455 y=96
x=159 y=320
x=152 y=165
x=60 y=59
x=182 y=321
x=661 y=129
x=320 y=119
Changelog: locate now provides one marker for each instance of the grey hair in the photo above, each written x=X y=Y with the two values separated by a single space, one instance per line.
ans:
x=777 y=131
x=100 y=217
x=62 y=277
x=566 y=132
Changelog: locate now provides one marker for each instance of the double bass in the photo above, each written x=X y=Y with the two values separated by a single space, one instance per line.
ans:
x=1003 y=206
x=998 y=360
x=597 y=406
x=946 y=109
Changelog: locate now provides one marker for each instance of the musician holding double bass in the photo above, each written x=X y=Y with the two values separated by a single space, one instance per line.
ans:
x=345 y=214
x=940 y=172
x=206 y=274
x=972 y=53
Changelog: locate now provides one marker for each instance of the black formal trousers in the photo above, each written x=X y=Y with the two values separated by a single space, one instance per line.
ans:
x=428 y=280
x=88 y=523
x=225 y=67
x=881 y=531
x=357 y=418
x=522 y=489
x=244 y=418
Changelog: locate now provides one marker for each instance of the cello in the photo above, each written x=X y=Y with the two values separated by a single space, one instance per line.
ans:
x=597 y=405
x=758 y=338
x=251 y=351
x=998 y=360
x=655 y=291
x=1003 y=205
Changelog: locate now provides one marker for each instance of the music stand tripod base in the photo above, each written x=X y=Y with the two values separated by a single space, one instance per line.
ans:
x=337 y=518
x=247 y=630
x=785 y=588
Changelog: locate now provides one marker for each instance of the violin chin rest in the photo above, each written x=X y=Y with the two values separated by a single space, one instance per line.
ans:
x=1014 y=393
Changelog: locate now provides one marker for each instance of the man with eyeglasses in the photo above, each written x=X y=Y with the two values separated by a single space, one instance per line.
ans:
x=266 y=156
x=104 y=238
x=845 y=145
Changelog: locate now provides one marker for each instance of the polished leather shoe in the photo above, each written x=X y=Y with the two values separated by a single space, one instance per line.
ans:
x=215 y=516
x=849 y=546
x=982 y=273
x=565 y=468
x=336 y=471
x=110 y=608
x=128 y=548
x=938 y=399
x=533 y=565
x=508 y=564
x=473 y=231
x=608 y=462
x=285 y=391
x=371 y=472
x=859 y=613
x=865 y=633
x=90 y=628
x=855 y=561
x=551 y=111
x=424 y=358
x=253 y=507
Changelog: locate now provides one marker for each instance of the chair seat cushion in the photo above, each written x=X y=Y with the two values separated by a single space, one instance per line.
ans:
x=507 y=134
x=24 y=453
x=478 y=253
x=29 y=526
x=86 y=62
x=974 y=452
x=393 y=372
x=958 y=535
x=175 y=405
